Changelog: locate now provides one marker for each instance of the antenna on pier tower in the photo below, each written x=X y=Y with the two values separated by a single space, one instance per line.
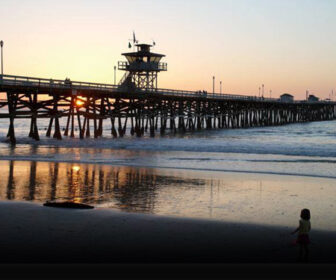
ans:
x=142 y=68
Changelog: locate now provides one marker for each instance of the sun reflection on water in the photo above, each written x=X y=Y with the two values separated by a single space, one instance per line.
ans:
x=76 y=168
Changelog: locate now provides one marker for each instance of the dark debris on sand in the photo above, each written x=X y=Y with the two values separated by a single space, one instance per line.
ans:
x=68 y=204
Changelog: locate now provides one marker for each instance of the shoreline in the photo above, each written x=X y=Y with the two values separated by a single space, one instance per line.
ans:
x=90 y=162
x=32 y=233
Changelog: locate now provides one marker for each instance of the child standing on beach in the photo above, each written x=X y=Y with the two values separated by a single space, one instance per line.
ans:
x=303 y=235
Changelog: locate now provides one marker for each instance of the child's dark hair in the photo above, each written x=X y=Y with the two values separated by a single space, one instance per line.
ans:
x=305 y=214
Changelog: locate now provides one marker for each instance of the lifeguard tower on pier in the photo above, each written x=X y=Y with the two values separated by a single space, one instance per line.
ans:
x=142 y=68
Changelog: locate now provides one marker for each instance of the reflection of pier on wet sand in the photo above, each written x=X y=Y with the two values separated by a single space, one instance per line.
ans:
x=225 y=196
x=130 y=188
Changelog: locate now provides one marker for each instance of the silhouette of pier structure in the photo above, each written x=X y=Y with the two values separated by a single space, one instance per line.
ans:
x=137 y=105
x=130 y=188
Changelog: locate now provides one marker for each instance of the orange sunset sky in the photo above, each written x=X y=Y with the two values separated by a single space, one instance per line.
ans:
x=288 y=45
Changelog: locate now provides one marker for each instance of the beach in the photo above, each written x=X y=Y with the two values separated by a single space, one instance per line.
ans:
x=225 y=196
x=32 y=233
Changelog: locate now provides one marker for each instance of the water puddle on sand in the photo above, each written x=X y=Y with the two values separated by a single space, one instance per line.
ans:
x=238 y=197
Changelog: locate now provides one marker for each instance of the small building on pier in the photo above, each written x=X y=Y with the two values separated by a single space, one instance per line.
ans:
x=286 y=97
x=313 y=98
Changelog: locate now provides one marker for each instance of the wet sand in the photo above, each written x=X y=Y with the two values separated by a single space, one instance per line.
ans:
x=263 y=199
x=32 y=233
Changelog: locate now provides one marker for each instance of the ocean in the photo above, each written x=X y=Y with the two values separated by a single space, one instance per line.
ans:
x=262 y=175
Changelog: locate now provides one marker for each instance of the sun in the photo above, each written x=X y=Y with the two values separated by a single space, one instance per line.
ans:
x=79 y=103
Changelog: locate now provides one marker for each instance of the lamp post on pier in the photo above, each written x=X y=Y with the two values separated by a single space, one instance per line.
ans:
x=1 y=45
x=213 y=84
x=332 y=95
x=115 y=70
x=220 y=84
x=259 y=91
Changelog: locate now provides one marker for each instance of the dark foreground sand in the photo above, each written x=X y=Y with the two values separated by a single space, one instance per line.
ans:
x=32 y=233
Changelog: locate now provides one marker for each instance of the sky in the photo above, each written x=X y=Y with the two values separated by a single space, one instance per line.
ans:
x=287 y=45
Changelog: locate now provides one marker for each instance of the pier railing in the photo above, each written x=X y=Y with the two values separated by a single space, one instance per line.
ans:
x=202 y=94
x=52 y=83
x=22 y=81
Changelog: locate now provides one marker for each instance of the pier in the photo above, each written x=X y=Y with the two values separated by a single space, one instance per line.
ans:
x=137 y=106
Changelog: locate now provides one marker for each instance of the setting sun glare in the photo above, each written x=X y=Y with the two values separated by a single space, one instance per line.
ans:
x=79 y=103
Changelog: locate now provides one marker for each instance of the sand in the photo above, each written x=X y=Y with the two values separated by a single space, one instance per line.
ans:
x=32 y=233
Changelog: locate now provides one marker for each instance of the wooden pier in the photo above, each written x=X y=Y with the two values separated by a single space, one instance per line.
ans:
x=153 y=111
x=136 y=103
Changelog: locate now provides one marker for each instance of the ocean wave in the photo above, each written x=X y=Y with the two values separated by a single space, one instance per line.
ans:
x=200 y=145
x=256 y=160
x=119 y=162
